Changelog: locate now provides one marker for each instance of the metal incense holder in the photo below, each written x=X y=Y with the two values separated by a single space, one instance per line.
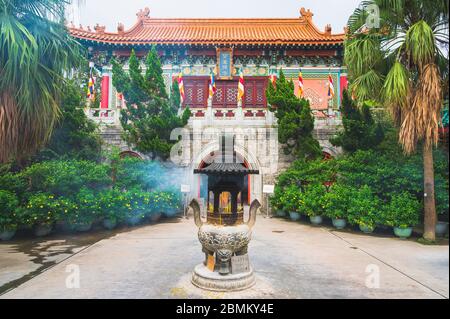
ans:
x=225 y=235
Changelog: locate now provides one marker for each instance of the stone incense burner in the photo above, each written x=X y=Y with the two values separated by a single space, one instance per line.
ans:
x=225 y=235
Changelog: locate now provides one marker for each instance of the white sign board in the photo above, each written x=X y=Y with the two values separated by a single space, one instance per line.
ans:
x=185 y=188
x=268 y=189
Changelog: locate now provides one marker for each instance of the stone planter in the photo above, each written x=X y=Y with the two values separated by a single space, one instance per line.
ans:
x=366 y=229
x=42 y=230
x=441 y=229
x=85 y=227
x=339 y=223
x=155 y=217
x=281 y=213
x=134 y=220
x=7 y=234
x=403 y=233
x=294 y=216
x=316 y=220
x=109 y=224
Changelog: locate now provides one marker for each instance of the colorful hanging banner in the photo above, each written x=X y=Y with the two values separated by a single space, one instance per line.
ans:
x=212 y=85
x=181 y=87
x=91 y=84
x=300 y=85
x=241 y=87
x=330 y=87
x=273 y=79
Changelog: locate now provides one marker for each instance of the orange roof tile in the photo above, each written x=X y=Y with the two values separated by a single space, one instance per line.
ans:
x=299 y=31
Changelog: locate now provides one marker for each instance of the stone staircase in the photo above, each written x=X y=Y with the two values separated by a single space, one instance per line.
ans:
x=112 y=136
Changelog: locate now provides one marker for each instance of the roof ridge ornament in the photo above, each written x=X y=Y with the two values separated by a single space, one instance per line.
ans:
x=328 y=29
x=306 y=14
x=143 y=14
x=120 y=28
x=100 y=28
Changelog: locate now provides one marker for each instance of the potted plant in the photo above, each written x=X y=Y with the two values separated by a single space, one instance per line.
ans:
x=112 y=207
x=364 y=209
x=336 y=205
x=135 y=210
x=86 y=211
x=169 y=206
x=276 y=203
x=42 y=211
x=442 y=205
x=291 y=201
x=9 y=218
x=402 y=213
x=313 y=200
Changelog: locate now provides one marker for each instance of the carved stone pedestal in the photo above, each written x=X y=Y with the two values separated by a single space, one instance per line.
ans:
x=203 y=278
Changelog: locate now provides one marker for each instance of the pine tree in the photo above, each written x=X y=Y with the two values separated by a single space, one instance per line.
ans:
x=150 y=117
x=295 y=119
x=360 y=132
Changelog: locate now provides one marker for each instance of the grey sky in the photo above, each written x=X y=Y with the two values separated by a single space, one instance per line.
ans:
x=109 y=13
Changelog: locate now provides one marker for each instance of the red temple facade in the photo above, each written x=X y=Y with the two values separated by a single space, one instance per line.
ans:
x=256 y=48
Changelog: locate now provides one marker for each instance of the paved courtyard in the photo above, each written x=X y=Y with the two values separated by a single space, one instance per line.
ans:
x=291 y=260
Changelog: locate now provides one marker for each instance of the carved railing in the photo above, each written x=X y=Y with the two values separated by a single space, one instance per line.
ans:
x=106 y=116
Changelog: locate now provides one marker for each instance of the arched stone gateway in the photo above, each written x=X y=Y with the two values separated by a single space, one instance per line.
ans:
x=209 y=152
x=133 y=154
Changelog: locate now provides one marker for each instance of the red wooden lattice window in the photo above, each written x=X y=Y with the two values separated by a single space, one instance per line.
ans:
x=226 y=94
x=195 y=92
x=255 y=93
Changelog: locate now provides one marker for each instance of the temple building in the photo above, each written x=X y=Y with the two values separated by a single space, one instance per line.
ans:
x=256 y=48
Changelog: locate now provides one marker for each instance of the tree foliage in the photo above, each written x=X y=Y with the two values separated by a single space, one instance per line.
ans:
x=401 y=64
x=150 y=117
x=75 y=136
x=295 y=119
x=360 y=130
x=36 y=51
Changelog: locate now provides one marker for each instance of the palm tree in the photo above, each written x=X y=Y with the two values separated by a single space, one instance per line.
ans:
x=36 y=52
x=400 y=64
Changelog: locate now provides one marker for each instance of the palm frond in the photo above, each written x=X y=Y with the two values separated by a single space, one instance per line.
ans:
x=420 y=43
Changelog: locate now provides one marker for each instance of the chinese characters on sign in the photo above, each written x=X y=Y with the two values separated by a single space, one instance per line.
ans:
x=225 y=63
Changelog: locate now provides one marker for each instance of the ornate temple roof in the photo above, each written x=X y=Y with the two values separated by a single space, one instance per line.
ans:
x=298 y=31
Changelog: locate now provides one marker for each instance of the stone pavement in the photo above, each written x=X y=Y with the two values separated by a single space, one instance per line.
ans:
x=291 y=260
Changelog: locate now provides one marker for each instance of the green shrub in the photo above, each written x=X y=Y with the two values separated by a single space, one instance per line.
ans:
x=166 y=202
x=12 y=181
x=42 y=209
x=364 y=208
x=9 y=216
x=138 y=204
x=112 y=204
x=66 y=178
x=290 y=199
x=402 y=211
x=337 y=201
x=87 y=208
x=312 y=200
